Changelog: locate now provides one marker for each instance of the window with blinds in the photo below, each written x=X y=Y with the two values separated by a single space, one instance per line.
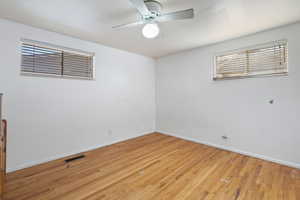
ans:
x=43 y=59
x=267 y=59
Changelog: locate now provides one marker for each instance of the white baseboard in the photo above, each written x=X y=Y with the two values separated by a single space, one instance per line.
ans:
x=38 y=162
x=267 y=158
x=33 y=163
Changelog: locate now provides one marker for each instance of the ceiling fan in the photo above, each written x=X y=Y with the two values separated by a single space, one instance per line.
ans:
x=151 y=15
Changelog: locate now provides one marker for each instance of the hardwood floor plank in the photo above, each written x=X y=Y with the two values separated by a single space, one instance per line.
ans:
x=65 y=170
x=152 y=176
x=156 y=166
x=120 y=174
x=120 y=147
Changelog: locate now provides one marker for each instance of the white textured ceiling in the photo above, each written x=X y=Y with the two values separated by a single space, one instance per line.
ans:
x=216 y=20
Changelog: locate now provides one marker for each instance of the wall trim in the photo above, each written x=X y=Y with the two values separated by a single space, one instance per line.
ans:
x=259 y=156
x=60 y=156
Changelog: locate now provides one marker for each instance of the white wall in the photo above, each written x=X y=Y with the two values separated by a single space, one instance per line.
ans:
x=191 y=105
x=51 y=118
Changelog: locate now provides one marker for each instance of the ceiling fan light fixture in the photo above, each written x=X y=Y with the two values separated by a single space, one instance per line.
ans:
x=151 y=30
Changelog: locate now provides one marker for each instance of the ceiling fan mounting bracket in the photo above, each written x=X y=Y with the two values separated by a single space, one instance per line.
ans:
x=154 y=7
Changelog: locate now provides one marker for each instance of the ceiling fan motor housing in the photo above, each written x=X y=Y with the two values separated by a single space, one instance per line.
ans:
x=154 y=7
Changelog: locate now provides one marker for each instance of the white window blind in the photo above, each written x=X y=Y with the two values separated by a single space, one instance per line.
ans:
x=42 y=59
x=267 y=59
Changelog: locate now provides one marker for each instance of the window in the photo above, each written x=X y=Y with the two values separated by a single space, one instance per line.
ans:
x=267 y=59
x=44 y=59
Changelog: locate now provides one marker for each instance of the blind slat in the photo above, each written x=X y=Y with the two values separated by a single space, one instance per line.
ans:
x=267 y=60
x=46 y=60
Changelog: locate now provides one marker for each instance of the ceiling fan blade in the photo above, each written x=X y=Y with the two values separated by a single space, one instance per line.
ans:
x=141 y=6
x=128 y=25
x=179 y=15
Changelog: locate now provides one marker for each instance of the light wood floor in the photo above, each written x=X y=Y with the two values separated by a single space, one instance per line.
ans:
x=156 y=167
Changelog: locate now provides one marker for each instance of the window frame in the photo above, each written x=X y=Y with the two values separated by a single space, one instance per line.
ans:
x=58 y=48
x=251 y=48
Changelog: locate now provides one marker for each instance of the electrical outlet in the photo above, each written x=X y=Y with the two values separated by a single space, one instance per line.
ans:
x=109 y=132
